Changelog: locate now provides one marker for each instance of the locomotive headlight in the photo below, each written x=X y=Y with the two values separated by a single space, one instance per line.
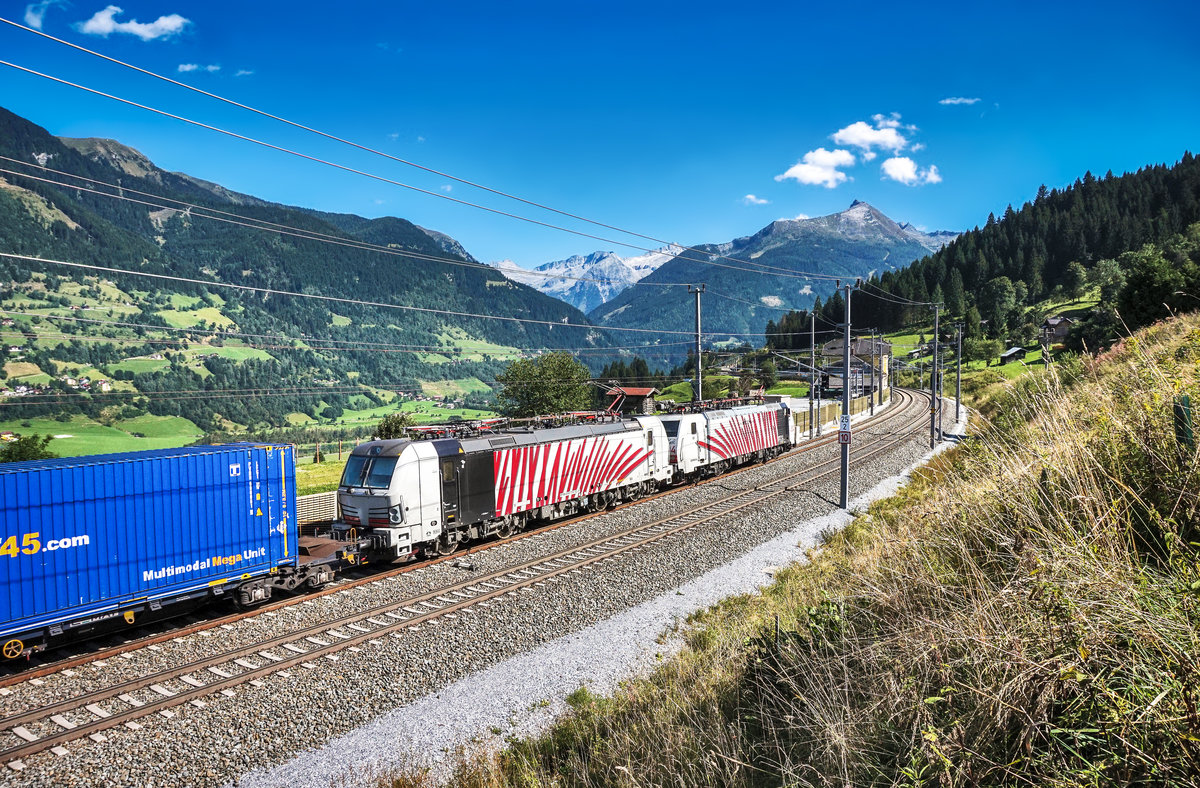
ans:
x=396 y=514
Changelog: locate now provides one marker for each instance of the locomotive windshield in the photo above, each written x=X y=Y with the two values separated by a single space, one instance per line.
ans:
x=368 y=471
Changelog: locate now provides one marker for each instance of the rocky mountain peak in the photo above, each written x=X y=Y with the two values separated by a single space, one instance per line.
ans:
x=116 y=155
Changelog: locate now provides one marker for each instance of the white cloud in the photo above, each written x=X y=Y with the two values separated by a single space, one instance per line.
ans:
x=806 y=290
x=422 y=139
x=864 y=136
x=918 y=147
x=242 y=72
x=900 y=168
x=771 y=300
x=447 y=188
x=904 y=170
x=750 y=199
x=887 y=121
x=820 y=166
x=104 y=23
x=186 y=67
x=958 y=100
x=800 y=217
x=35 y=13
x=395 y=135
x=212 y=69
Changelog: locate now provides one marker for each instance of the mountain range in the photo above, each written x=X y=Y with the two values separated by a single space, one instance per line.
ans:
x=786 y=265
x=856 y=242
x=587 y=281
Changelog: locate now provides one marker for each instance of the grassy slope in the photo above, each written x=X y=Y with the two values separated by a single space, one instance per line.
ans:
x=1025 y=612
x=84 y=436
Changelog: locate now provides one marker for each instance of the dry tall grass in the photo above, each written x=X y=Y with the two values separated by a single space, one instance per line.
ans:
x=1023 y=613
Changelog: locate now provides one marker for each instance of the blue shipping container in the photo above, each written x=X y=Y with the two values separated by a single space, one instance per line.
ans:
x=84 y=538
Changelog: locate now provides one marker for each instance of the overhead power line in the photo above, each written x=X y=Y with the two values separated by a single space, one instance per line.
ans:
x=362 y=302
x=884 y=295
x=333 y=342
x=759 y=269
x=284 y=229
x=391 y=157
x=168 y=395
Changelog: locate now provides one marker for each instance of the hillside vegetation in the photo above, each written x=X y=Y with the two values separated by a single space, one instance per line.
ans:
x=1024 y=612
x=223 y=358
x=1045 y=245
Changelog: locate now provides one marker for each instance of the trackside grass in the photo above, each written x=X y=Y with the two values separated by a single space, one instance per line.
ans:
x=1024 y=612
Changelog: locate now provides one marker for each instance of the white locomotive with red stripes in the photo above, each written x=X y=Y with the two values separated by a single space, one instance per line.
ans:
x=407 y=497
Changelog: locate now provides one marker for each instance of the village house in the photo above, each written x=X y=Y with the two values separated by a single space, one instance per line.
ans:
x=1055 y=329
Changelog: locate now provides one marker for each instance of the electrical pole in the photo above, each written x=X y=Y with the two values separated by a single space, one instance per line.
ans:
x=882 y=357
x=871 y=393
x=844 y=427
x=958 y=372
x=933 y=376
x=812 y=371
x=699 y=393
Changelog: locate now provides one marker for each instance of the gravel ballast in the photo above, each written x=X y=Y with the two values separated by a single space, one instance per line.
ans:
x=490 y=668
x=485 y=708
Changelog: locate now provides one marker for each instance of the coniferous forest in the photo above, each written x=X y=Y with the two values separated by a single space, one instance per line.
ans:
x=1131 y=234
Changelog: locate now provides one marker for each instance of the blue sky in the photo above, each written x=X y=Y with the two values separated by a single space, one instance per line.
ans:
x=692 y=122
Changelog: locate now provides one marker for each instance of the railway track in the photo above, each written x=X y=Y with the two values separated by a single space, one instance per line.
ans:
x=88 y=714
x=15 y=672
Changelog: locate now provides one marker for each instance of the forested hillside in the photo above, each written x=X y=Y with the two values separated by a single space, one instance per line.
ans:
x=1058 y=243
x=161 y=343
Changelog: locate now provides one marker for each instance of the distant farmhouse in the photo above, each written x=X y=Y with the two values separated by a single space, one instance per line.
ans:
x=1055 y=329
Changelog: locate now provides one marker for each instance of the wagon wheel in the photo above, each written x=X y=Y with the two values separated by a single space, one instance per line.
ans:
x=505 y=530
x=13 y=649
x=445 y=546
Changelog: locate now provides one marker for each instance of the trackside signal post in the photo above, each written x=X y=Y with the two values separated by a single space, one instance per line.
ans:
x=699 y=393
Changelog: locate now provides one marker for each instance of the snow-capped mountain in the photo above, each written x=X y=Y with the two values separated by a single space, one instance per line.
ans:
x=587 y=281
x=744 y=292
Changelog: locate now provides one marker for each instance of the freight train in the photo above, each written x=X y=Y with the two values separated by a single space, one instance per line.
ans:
x=401 y=498
x=88 y=543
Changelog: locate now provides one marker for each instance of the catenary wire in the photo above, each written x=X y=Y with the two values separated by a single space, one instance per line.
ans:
x=377 y=304
x=221 y=334
x=285 y=229
x=759 y=269
x=368 y=149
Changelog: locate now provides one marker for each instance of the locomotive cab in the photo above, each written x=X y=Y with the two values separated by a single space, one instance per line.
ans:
x=685 y=432
x=390 y=494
